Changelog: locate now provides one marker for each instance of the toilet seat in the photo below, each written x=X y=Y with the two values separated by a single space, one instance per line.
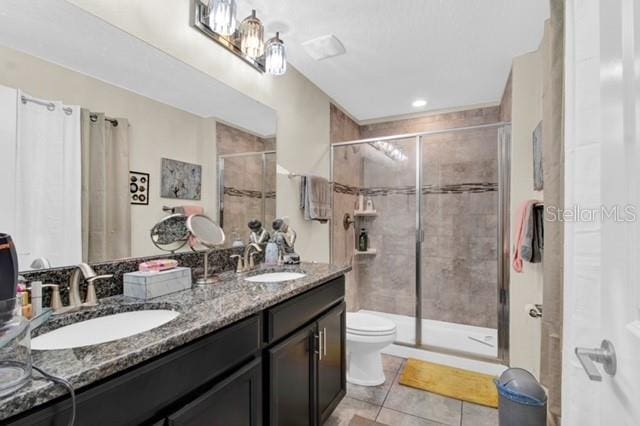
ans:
x=362 y=324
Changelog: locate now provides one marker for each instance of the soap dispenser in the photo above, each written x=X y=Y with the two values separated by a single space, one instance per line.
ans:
x=363 y=240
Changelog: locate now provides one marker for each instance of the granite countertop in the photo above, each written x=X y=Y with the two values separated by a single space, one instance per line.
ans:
x=203 y=310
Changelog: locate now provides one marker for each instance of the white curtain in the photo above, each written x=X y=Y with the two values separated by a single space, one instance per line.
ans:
x=45 y=177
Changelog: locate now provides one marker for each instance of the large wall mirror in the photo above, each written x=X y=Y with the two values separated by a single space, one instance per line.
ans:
x=104 y=136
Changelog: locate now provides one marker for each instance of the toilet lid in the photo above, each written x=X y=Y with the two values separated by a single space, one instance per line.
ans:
x=362 y=323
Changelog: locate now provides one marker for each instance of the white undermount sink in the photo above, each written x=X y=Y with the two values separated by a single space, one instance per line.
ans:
x=275 y=277
x=102 y=329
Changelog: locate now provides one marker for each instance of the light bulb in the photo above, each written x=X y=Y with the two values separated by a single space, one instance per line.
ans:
x=275 y=56
x=251 y=36
x=222 y=16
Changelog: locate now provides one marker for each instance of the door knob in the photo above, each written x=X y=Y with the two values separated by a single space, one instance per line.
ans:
x=605 y=355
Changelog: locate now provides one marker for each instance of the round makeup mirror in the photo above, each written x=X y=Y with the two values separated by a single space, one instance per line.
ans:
x=207 y=233
x=171 y=233
x=205 y=230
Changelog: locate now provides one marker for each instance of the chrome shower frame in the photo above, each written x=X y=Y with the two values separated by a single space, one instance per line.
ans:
x=503 y=231
x=221 y=159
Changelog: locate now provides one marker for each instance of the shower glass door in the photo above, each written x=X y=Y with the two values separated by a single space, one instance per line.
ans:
x=384 y=277
x=246 y=192
x=459 y=290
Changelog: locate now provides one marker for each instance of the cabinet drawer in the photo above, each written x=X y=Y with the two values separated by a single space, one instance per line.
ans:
x=286 y=317
x=142 y=393
x=235 y=401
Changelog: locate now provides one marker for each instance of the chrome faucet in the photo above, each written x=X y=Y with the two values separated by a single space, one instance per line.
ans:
x=246 y=262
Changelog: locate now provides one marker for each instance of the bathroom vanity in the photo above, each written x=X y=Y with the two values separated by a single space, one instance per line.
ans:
x=239 y=353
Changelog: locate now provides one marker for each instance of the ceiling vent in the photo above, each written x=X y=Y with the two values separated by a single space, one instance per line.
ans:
x=324 y=47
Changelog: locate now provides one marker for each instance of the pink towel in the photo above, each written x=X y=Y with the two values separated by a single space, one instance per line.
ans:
x=190 y=211
x=521 y=219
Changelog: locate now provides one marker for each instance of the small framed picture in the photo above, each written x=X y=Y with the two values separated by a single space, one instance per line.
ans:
x=139 y=188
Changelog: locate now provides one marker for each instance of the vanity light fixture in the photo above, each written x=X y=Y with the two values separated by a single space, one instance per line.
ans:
x=222 y=16
x=275 y=56
x=216 y=19
x=419 y=103
x=252 y=36
x=389 y=150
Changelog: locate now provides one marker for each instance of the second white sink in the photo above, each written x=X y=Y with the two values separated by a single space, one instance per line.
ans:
x=275 y=277
x=102 y=329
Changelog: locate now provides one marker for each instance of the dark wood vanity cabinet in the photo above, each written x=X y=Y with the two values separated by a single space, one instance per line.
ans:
x=307 y=372
x=283 y=366
x=332 y=366
x=236 y=400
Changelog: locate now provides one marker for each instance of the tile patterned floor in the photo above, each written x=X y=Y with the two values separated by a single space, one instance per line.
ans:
x=396 y=405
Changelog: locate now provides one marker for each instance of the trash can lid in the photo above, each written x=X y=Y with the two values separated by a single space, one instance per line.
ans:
x=521 y=386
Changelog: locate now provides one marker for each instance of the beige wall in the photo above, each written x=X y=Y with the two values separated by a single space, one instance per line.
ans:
x=302 y=108
x=156 y=130
x=525 y=287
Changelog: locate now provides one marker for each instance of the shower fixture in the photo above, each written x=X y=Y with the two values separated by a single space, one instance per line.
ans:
x=347 y=221
x=217 y=20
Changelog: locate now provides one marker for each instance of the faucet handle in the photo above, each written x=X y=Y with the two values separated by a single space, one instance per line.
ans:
x=99 y=277
x=56 y=303
x=239 y=265
x=92 y=299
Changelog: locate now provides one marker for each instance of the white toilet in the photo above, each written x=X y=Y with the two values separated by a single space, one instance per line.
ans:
x=367 y=335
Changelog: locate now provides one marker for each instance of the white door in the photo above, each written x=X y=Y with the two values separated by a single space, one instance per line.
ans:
x=602 y=172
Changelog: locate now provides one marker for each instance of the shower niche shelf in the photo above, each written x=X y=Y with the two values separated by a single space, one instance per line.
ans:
x=370 y=252
x=365 y=213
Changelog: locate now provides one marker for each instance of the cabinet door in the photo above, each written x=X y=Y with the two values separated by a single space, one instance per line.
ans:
x=235 y=401
x=332 y=362
x=291 y=379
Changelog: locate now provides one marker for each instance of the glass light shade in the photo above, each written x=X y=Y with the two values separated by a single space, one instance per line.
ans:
x=252 y=36
x=275 y=56
x=222 y=16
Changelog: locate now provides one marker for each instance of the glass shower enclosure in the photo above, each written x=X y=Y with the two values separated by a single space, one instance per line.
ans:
x=247 y=191
x=438 y=235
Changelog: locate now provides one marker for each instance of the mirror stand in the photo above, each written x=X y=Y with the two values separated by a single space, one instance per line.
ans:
x=206 y=279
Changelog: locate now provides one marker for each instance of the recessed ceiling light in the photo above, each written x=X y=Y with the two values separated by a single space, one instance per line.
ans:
x=419 y=103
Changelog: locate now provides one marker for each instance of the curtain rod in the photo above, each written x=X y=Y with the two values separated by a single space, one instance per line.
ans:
x=50 y=105
x=113 y=121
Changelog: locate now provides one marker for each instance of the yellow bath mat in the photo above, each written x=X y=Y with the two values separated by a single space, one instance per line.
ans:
x=452 y=382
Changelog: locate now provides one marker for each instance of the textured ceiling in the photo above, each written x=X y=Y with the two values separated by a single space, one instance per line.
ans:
x=451 y=52
x=64 y=34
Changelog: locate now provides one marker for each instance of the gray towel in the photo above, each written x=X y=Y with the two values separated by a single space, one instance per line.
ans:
x=315 y=198
x=533 y=243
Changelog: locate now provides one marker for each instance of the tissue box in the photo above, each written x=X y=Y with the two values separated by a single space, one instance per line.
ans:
x=147 y=285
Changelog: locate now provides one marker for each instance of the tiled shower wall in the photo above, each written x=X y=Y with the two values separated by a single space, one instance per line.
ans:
x=347 y=171
x=459 y=218
x=243 y=180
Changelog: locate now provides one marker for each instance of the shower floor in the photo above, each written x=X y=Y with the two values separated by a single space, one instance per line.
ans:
x=439 y=334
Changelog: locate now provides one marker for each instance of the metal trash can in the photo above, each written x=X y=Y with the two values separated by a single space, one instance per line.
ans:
x=523 y=402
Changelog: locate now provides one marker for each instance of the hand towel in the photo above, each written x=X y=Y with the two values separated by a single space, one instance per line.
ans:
x=315 y=197
x=191 y=210
x=522 y=219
